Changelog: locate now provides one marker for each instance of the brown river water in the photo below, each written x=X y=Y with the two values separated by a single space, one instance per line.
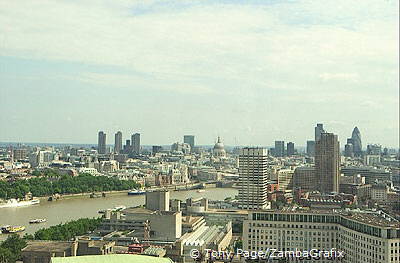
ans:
x=68 y=209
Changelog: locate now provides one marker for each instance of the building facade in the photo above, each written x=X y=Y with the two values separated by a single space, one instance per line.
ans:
x=118 y=142
x=253 y=178
x=318 y=130
x=310 y=148
x=101 y=145
x=135 y=143
x=327 y=163
x=290 y=149
x=363 y=237
x=279 y=149
x=304 y=178
x=189 y=139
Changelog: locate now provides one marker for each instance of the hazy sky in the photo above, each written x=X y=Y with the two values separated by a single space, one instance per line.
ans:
x=250 y=71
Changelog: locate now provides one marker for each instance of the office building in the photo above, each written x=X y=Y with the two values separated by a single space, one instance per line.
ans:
x=189 y=139
x=327 y=163
x=20 y=154
x=118 y=142
x=318 y=130
x=310 y=148
x=356 y=139
x=290 y=149
x=349 y=148
x=372 y=160
x=253 y=178
x=279 y=149
x=135 y=144
x=157 y=200
x=304 y=178
x=371 y=237
x=101 y=146
x=371 y=174
x=156 y=149
x=374 y=149
x=285 y=179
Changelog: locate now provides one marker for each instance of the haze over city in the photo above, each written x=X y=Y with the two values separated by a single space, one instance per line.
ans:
x=249 y=71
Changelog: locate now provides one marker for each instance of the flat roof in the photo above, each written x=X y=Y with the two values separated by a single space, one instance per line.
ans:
x=370 y=218
x=48 y=246
x=114 y=258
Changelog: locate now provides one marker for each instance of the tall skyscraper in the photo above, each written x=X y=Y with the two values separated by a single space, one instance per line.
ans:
x=318 y=130
x=118 y=142
x=135 y=143
x=189 y=139
x=327 y=163
x=253 y=178
x=279 y=148
x=290 y=149
x=310 y=148
x=357 y=145
x=101 y=145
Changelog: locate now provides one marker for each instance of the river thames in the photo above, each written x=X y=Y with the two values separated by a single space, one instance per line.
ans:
x=68 y=209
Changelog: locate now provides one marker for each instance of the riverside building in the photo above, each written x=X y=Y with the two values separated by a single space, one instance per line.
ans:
x=364 y=237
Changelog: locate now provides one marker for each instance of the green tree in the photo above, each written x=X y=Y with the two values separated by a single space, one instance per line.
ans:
x=14 y=244
x=6 y=256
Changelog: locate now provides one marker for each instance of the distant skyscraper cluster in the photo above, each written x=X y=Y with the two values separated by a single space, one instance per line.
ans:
x=131 y=147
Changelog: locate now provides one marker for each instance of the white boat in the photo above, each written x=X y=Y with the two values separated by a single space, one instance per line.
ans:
x=16 y=203
x=201 y=191
x=37 y=221
x=136 y=192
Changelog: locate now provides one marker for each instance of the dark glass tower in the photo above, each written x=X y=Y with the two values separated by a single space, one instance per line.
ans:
x=356 y=139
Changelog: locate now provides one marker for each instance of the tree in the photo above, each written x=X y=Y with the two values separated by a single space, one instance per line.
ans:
x=13 y=244
x=6 y=256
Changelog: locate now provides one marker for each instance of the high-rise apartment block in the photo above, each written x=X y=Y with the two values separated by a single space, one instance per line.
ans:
x=135 y=143
x=101 y=146
x=327 y=163
x=253 y=178
x=118 y=142
x=189 y=139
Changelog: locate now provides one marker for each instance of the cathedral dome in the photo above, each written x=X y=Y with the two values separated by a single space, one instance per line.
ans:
x=219 y=149
x=219 y=145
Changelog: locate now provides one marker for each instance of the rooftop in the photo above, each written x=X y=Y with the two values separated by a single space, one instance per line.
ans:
x=48 y=246
x=373 y=218
x=116 y=258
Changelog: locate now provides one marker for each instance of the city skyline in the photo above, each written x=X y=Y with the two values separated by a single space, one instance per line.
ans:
x=122 y=137
x=257 y=71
